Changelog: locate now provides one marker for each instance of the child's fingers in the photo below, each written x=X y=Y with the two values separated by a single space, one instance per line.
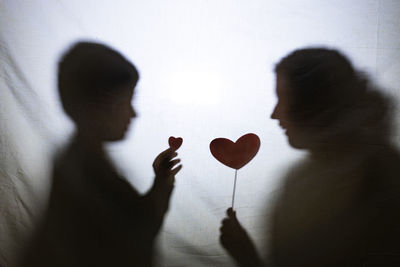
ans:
x=160 y=157
x=172 y=154
x=167 y=154
x=168 y=158
x=164 y=157
x=172 y=163
x=176 y=170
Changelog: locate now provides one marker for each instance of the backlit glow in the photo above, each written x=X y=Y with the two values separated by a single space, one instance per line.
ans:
x=195 y=87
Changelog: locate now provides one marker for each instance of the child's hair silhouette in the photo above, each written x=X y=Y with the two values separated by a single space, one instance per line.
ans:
x=91 y=72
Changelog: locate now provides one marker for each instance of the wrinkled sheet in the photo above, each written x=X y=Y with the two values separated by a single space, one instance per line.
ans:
x=206 y=72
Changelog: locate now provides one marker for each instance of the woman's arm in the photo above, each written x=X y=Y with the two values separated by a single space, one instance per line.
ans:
x=237 y=242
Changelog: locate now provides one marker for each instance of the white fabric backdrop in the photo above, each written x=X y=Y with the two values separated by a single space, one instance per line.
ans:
x=206 y=72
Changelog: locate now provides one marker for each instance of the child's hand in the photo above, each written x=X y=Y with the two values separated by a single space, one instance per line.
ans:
x=164 y=164
x=237 y=242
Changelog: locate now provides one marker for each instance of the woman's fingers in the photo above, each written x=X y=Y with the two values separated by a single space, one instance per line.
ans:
x=225 y=221
x=227 y=225
x=231 y=213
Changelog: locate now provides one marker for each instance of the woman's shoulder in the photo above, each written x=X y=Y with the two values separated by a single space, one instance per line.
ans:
x=384 y=165
x=382 y=172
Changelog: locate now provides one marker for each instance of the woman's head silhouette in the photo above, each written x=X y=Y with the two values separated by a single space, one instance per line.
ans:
x=323 y=100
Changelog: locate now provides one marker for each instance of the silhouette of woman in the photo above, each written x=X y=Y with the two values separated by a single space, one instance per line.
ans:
x=94 y=216
x=339 y=206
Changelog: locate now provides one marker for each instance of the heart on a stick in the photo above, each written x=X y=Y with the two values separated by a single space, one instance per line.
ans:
x=175 y=142
x=238 y=154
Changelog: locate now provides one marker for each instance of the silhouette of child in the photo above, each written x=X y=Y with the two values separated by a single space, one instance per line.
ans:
x=94 y=216
x=338 y=207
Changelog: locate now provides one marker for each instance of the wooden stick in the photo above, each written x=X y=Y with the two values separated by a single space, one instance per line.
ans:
x=234 y=190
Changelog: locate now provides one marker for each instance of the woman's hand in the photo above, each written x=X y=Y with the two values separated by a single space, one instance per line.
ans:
x=237 y=242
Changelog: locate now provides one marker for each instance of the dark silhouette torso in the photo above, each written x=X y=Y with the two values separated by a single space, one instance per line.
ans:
x=340 y=211
x=95 y=217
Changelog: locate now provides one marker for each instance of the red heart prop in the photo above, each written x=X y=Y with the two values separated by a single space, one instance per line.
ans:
x=238 y=154
x=175 y=143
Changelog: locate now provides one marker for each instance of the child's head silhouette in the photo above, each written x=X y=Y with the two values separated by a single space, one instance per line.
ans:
x=96 y=85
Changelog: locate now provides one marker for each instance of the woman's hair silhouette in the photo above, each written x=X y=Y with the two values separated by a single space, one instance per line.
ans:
x=322 y=99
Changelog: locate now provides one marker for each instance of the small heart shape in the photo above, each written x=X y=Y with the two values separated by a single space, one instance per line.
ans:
x=238 y=154
x=175 y=142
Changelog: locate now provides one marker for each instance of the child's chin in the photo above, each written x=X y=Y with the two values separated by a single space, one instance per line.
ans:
x=115 y=137
x=298 y=144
